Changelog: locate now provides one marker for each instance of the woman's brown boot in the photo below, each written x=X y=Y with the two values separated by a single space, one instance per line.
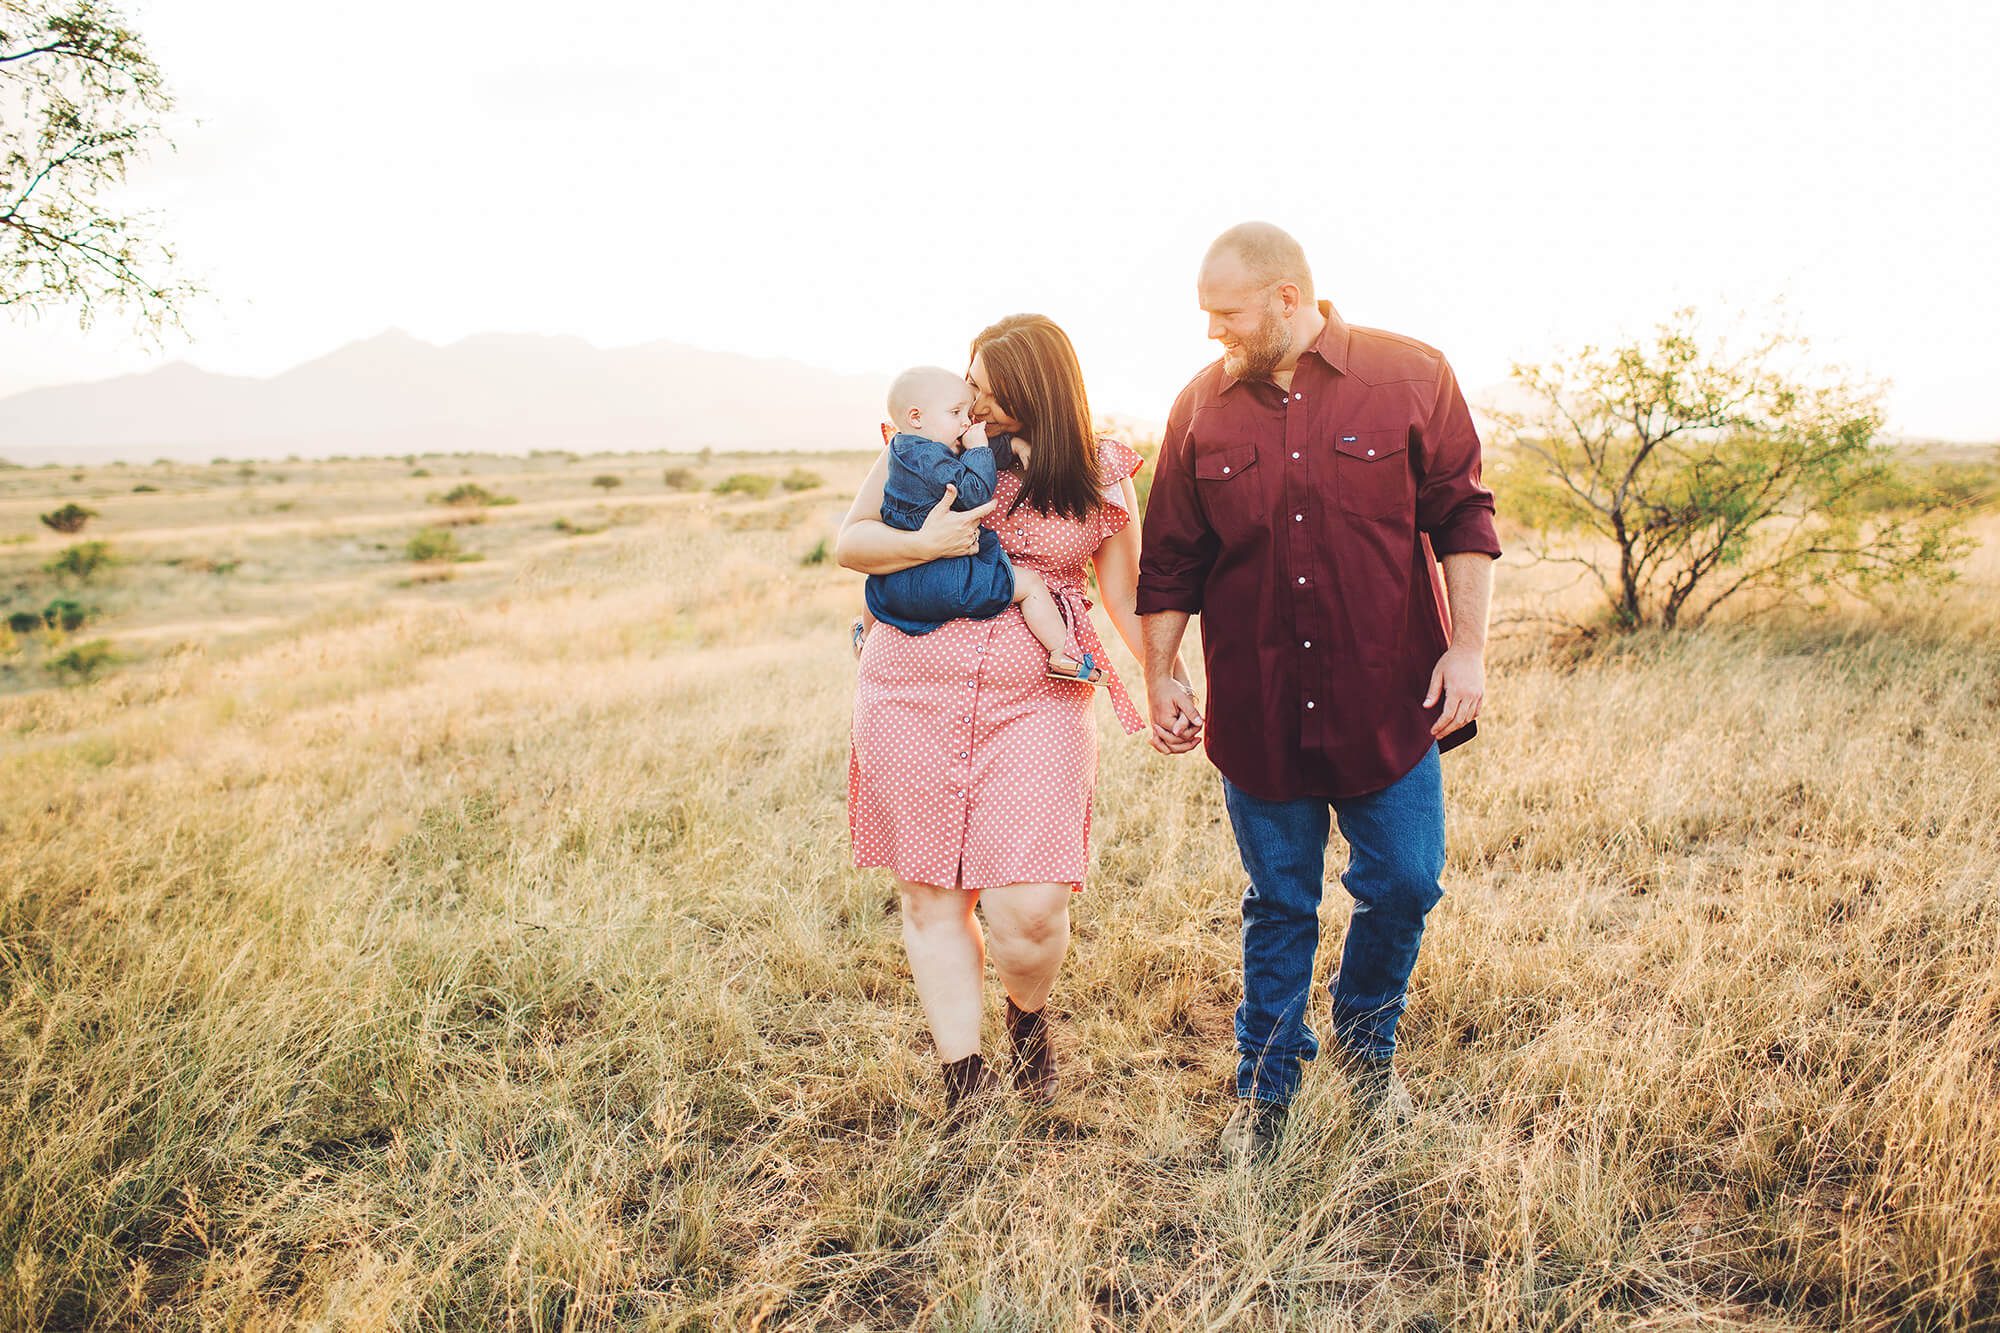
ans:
x=1034 y=1057
x=967 y=1082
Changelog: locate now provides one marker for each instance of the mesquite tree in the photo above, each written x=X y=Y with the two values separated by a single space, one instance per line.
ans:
x=1683 y=472
x=80 y=101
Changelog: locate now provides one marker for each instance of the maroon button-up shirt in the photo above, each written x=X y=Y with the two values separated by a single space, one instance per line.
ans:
x=1305 y=527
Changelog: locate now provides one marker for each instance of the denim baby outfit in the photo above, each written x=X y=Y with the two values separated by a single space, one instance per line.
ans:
x=977 y=587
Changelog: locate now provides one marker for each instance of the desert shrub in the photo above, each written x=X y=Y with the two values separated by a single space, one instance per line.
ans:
x=65 y=615
x=142 y=488
x=1684 y=470
x=70 y=518
x=570 y=528
x=81 y=560
x=799 y=479
x=420 y=472
x=606 y=481
x=756 y=485
x=431 y=544
x=468 y=493
x=819 y=554
x=83 y=661
x=24 y=622
x=681 y=479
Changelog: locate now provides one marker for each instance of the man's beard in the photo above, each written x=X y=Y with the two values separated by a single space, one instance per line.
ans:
x=1262 y=351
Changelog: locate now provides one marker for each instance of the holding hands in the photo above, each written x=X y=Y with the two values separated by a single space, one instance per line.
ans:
x=1175 y=715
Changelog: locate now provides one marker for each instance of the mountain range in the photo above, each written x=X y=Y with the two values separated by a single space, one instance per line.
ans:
x=396 y=394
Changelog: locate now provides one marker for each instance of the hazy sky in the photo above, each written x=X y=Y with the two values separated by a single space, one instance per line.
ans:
x=864 y=186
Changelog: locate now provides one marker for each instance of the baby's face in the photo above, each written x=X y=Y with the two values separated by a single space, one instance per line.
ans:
x=942 y=413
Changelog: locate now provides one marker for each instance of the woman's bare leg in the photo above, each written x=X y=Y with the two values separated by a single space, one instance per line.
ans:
x=948 y=960
x=1029 y=929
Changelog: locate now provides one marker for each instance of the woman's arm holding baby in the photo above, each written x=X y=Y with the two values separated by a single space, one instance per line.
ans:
x=869 y=545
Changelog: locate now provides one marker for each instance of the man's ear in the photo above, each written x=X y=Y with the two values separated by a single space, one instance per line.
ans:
x=1288 y=292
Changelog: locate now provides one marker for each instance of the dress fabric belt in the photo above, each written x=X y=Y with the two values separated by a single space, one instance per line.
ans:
x=1082 y=638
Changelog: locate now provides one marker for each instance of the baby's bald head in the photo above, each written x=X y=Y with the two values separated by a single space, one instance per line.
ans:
x=930 y=401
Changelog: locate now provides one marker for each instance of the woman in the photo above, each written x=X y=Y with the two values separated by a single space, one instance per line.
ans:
x=972 y=770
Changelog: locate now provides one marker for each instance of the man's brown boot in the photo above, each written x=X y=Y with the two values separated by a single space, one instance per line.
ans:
x=1034 y=1057
x=967 y=1084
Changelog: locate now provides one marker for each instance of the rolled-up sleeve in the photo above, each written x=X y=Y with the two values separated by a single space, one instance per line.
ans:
x=1453 y=508
x=1177 y=547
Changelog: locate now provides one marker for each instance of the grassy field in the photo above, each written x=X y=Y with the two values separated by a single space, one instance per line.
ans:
x=466 y=943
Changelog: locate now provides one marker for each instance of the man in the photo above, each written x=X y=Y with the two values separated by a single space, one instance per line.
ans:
x=1309 y=484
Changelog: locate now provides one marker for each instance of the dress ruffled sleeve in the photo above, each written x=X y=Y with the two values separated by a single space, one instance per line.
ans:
x=1116 y=461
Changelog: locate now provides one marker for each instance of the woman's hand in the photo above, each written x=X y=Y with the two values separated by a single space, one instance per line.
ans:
x=949 y=532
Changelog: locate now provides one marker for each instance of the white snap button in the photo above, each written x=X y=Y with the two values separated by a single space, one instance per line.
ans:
x=1309 y=704
x=1371 y=453
x=1309 y=643
x=1298 y=396
x=1225 y=472
x=1294 y=455
x=1302 y=578
x=1298 y=518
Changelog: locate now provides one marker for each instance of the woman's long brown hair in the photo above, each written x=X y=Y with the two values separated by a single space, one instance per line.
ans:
x=1031 y=371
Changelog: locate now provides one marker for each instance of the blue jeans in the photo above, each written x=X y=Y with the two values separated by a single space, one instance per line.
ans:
x=1395 y=840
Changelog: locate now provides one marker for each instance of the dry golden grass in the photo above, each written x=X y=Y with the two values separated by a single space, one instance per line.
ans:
x=486 y=954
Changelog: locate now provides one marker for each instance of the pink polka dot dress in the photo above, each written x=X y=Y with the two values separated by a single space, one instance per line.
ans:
x=970 y=766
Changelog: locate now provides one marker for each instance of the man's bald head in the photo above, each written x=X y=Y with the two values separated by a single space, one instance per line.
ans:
x=1268 y=255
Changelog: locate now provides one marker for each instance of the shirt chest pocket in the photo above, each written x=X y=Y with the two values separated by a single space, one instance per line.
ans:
x=1228 y=483
x=1372 y=472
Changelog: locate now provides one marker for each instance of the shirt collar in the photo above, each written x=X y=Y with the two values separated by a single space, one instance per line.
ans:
x=1331 y=345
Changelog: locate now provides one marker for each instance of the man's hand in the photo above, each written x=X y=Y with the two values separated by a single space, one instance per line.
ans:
x=951 y=532
x=1460 y=676
x=1176 y=717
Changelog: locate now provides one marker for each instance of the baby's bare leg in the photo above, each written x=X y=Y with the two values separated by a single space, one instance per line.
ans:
x=1038 y=608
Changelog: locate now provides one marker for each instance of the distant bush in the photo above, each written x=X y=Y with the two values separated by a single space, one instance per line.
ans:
x=81 y=560
x=572 y=529
x=70 y=518
x=435 y=544
x=818 y=555
x=756 y=485
x=468 y=493
x=420 y=472
x=24 y=622
x=65 y=615
x=142 y=489
x=681 y=479
x=203 y=564
x=84 y=660
x=798 y=479
x=607 y=481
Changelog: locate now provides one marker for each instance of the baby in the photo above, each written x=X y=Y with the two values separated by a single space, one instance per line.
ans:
x=938 y=444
